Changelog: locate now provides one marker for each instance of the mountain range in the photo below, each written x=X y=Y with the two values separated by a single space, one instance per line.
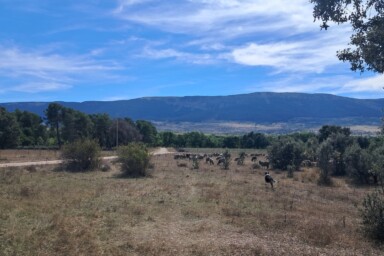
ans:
x=260 y=107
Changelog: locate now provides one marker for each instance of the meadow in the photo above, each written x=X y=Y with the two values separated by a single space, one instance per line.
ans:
x=177 y=210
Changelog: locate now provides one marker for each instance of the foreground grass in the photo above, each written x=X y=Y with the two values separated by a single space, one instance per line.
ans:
x=177 y=211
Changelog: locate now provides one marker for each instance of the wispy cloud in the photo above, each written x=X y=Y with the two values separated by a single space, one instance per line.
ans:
x=308 y=55
x=40 y=87
x=246 y=32
x=363 y=87
x=233 y=17
x=35 y=71
x=370 y=84
x=195 y=58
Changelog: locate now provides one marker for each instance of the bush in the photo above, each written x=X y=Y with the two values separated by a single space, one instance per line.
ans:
x=325 y=163
x=241 y=158
x=359 y=164
x=290 y=170
x=227 y=159
x=134 y=159
x=372 y=215
x=195 y=163
x=81 y=155
x=286 y=152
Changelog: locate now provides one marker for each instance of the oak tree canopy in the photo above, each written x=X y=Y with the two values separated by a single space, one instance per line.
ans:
x=367 y=20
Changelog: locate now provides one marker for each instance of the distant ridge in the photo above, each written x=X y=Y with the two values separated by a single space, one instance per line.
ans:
x=260 y=107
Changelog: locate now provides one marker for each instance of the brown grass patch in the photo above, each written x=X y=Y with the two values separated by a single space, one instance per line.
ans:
x=177 y=211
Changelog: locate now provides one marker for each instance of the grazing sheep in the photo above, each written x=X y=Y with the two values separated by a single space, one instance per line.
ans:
x=264 y=164
x=221 y=161
x=209 y=160
x=268 y=179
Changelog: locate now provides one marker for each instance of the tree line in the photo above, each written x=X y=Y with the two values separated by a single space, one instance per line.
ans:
x=61 y=125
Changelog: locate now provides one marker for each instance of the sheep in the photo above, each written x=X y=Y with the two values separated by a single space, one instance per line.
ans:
x=264 y=164
x=209 y=160
x=221 y=161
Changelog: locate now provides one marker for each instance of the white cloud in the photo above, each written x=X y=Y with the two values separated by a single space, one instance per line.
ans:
x=228 y=18
x=34 y=71
x=345 y=85
x=310 y=55
x=194 y=58
x=370 y=84
x=40 y=87
x=271 y=33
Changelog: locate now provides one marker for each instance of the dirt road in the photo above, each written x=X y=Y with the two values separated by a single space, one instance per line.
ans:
x=161 y=151
x=158 y=151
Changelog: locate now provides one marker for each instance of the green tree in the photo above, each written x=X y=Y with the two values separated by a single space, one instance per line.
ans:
x=325 y=156
x=167 y=139
x=9 y=129
x=101 y=126
x=123 y=132
x=367 y=20
x=327 y=130
x=231 y=142
x=195 y=139
x=310 y=149
x=339 y=143
x=286 y=152
x=75 y=125
x=33 y=132
x=54 y=116
x=358 y=163
x=148 y=131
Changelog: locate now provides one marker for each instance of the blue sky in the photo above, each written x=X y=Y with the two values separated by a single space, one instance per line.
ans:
x=74 y=50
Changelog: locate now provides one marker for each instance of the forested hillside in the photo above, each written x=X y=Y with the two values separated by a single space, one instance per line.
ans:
x=254 y=107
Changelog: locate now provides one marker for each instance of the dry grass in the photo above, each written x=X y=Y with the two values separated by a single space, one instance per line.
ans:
x=28 y=155
x=177 y=211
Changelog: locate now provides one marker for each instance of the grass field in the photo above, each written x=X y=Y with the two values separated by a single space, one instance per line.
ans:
x=178 y=211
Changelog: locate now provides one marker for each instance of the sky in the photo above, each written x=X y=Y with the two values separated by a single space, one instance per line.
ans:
x=106 y=50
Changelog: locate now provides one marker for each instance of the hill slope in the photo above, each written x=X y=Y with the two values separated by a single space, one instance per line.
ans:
x=255 y=107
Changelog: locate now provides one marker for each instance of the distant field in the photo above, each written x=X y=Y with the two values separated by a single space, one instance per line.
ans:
x=177 y=211
x=274 y=128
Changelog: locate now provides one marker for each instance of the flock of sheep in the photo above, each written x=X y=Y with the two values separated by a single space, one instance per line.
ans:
x=220 y=159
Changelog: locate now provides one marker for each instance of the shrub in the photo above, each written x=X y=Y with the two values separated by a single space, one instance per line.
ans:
x=81 y=155
x=195 y=163
x=290 y=170
x=286 y=152
x=359 y=164
x=241 y=158
x=372 y=215
x=134 y=159
x=325 y=163
x=227 y=159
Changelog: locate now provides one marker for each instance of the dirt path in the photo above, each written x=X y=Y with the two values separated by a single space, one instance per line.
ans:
x=161 y=151
x=158 y=151
x=31 y=163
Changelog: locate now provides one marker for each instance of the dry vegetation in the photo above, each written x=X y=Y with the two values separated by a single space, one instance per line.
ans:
x=28 y=155
x=177 y=211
